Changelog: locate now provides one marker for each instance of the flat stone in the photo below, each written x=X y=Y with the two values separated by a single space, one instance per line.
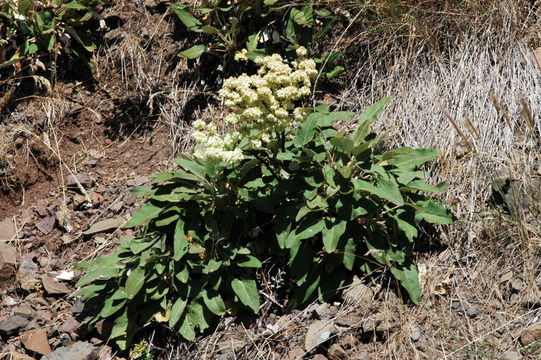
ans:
x=80 y=350
x=512 y=355
x=36 y=341
x=69 y=326
x=415 y=332
x=105 y=226
x=83 y=179
x=18 y=356
x=8 y=254
x=46 y=225
x=357 y=293
x=531 y=334
x=13 y=325
x=53 y=287
x=318 y=332
x=472 y=310
x=8 y=231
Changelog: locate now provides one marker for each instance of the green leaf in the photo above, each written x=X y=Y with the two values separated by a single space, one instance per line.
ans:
x=190 y=21
x=433 y=212
x=74 y=5
x=309 y=230
x=246 y=290
x=331 y=234
x=367 y=118
x=408 y=157
x=386 y=189
x=135 y=282
x=177 y=310
x=408 y=277
x=337 y=70
x=349 y=253
x=406 y=222
x=141 y=190
x=187 y=329
x=304 y=17
x=214 y=303
x=98 y=274
x=306 y=132
x=192 y=166
x=193 y=52
x=252 y=262
x=147 y=212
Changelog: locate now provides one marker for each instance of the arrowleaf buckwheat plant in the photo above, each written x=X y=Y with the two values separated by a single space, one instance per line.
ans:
x=330 y=203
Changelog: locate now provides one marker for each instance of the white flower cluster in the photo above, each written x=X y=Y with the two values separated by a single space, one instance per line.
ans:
x=263 y=106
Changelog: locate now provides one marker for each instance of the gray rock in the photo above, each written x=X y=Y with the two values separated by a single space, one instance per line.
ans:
x=357 y=293
x=415 y=332
x=7 y=229
x=364 y=356
x=73 y=180
x=105 y=226
x=12 y=325
x=473 y=310
x=78 y=351
x=318 y=332
x=512 y=355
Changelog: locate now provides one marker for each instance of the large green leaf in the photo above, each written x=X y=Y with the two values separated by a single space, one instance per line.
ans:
x=386 y=189
x=147 y=212
x=193 y=52
x=214 y=303
x=433 y=212
x=246 y=290
x=190 y=21
x=408 y=277
x=177 y=310
x=135 y=282
x=306 y=131
x=180 y=242
x=408 y=157
x=331 y=234
x=367 y=118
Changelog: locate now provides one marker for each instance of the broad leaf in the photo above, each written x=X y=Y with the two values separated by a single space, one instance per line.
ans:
x=408 y=277
x=246 y=290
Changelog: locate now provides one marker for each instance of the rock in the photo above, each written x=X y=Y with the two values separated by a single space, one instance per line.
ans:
x=8 y=231
x=36 y=341
x=14 y=324
x=324 y=311
x=364 y=356
x=295 y=354
x=78 y=306
x=319 y=357
x=69 y=326
x=472 y=310
x=13 y=355
x=512 y=355
x=105 y=226
x=116 y=206
x=78 y=200
x=46 y=225
x=8 y=254
x=79 y=351
x=72 y=181
x=415 y=332
x=138 y=181
x=517 y=285
x=318 y=332
x=350 y=320
x=8 y=261
x=28 y=273
x=531 y=334
x=8 y=301
x=96 y=198
x=337 y=352
x=357 y=293
x=53 y=287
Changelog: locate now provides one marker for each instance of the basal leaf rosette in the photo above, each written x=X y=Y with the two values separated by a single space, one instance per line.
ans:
x=263 y=106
